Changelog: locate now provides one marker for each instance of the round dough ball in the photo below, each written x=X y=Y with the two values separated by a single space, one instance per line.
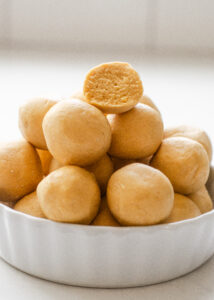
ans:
x=31 y=115
x=78 y=95
x=54 y=165
x=193 y=133
x=147 y=101
x=183 y=209
x=76 y=132
x=69 y=194
x=45 y=158
x=113 y=87
x=202 y=199
x=104 y=217
x=137 y=133
x=30 y=205
x=184 y=162
x=139 y=195
x=20 y=170
x=102 y=170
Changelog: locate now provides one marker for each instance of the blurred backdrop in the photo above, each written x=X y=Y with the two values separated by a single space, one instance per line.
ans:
x=47 y=46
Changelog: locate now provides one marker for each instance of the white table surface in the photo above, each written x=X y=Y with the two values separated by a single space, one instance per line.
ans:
x=182 y=88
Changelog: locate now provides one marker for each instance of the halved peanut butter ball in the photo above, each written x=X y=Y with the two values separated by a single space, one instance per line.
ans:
x=193 y=133
x=20 y=170
x=76 y=132
x=148 y=101
x=31 y=115
x=102 y=171
x=30 y=205
x=69 y=194
x=202 y=199
x=45 y=158
x=184 y=208
x=139 y=195
x=113 y=87
x=184 y=162
x=137 y=133
x=104 y=217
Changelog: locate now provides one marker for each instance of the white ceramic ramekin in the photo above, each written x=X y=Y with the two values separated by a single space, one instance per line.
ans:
x=105 y=256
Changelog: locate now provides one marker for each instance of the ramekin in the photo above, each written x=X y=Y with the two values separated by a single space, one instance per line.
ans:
x=105 y=257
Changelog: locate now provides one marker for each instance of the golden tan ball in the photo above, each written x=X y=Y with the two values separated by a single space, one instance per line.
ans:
x=139 y=195
x=148 y=101
x=104 y=216
x=76 y=132
x=184 y=162
x=113 y=87
x=45 y=158
x=69 y=194
x=202 y=199
x=184 y=208
x=30 y=205
x=20 y=170
x=193 y=133
x=102 y=170
x=137 y=133
x=31 y=115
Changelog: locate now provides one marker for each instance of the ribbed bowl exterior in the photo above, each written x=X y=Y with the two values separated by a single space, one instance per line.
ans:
x=105 y=256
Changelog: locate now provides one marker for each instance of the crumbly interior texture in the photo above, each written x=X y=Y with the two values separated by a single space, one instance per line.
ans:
x=139 y=195
x=193 y=133
x=104 y=216
x=113 y=87
x=202 y=199
x=76 y=132
x=20 y=170
x=30 y=206
x=184 y=208
x=69 y=194
x=137 y=133
x=184 y=162
x=31 y=116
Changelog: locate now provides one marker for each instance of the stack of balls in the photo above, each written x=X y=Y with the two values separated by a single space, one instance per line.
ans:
x=102 y=157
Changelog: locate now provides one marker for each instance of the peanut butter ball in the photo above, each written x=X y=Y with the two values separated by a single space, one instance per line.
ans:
x=148 y=101
x=76 y=132
x=184 y=208
x=31 y=115
x=102 y=170
x=193 y=133
x=45 y=158
x=54 y=165
x=78 y=95
x=104 y=217
x=184 y=162
x=30 y=205
x=20 y=170
x=202 y=199
x=69 y=194
x=139 y=195
x=113 y=87
x=137 y=133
